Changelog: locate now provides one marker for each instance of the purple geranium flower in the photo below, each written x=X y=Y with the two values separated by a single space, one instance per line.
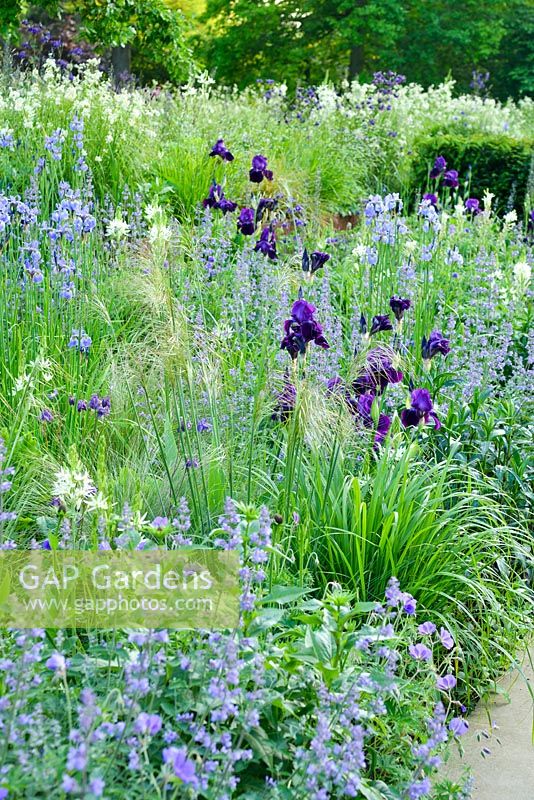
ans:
x=399 y=305
x=446 y=638
x=440 y=166
x=220 y=150
x=266 y=244
x=446 y=683
x=472 y=205
x=427 y=628
x=259 y=170
x=420 y=652
x=380 y=322
x=182 y=767
x=245 y=223
x=436 y=343
x=450 y=178
x=421 y=410
x=458 y=726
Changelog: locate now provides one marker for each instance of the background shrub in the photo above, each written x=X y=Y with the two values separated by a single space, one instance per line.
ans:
x=499 y=164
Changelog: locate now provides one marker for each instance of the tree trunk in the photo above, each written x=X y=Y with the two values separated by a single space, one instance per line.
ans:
x=120 y=61
x=356 y=61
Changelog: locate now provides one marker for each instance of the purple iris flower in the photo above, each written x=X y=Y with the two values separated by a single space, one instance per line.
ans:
x=302 y=329
x=216 y=199
x=421 y=410
x=245 y=223
x=364 y=407
x=399 y=305
x=440 y=165
x=318 y=260
x=379 y=371
x=220 y=150
x=46 y=415
x=432 y=199
x=450 y=178
x=265 y=204
x=259 y=170
x=436 y=343
x=266 y=244
x=380 y=322
x=472 y=205
x=285 y=402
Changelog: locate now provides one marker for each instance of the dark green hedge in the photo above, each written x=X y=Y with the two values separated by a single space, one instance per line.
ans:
x=498 y=163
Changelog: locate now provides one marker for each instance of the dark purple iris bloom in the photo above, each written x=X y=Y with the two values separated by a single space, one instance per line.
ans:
x=379 y=371
x=421 y=410
x=220 y=150
x=436 y=343
x=259 y=170
x=285 y=402
x=530 y=222
x=302 y=329
x=265 y=204
x=399 y=305
x=246 y=223
x=266 y=244
x=216 y=199
x=432 y=198
x=380 y=322
x=472 y=205
x=450 y=178
x=364 y=407
x=440 y=165
x=318 y=260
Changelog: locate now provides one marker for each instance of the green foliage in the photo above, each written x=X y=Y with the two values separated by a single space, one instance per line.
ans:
x=155 y=32
x=499 y=164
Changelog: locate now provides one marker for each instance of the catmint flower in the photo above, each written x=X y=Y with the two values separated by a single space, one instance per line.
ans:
x=399 y=305
x=436 y=343
x=159 y=523
x=246 y=224
x=446 y=683
x=266 y=244
x=439 y=167
x=96 y=786
x=182 y=767
x=420 y=652
x=472 y=205
x=421 y=410
x=419 y=789
x=220 y=150
x=446 y=639
x=259 y=170
x=450 y=179
x=458 y=726
x=148 y=723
